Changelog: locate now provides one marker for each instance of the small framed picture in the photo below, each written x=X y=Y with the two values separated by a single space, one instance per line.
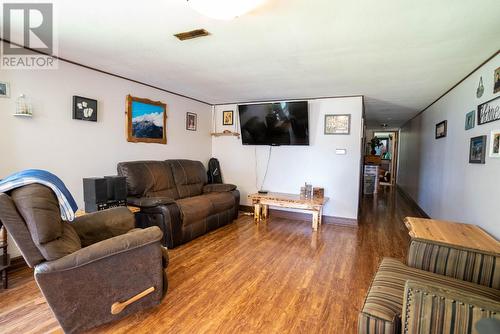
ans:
x=470 y=120
x=496 y=85
x=84 y=109
x=495 y=144
x=477 y=150
x=4 y=89
x=337 y=124
x=227 y=117
x=191 y=121
x=441 y=129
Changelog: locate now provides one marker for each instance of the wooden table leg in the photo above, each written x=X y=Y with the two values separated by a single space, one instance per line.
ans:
x=265 y=211
x=320 y=220
x=256 y=212
x=315 y=220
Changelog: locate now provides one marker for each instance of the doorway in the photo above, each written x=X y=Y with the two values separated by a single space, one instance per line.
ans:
x=387 y=151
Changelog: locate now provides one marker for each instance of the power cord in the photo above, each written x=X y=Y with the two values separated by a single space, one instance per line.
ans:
x=267 y=168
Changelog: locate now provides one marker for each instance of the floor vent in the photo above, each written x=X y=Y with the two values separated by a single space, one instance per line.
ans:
x=192 y=34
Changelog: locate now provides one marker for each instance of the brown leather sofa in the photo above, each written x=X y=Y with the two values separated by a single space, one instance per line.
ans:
x=175 y=196
x=86 y=266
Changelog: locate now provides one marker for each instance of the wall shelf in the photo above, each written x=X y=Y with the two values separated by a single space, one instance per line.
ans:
x=225 y=133
x=23 y=115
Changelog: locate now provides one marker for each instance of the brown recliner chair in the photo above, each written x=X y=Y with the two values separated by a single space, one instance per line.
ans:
x=88 y=270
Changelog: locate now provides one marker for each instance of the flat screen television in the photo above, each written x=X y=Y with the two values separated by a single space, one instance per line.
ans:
x=280 y=123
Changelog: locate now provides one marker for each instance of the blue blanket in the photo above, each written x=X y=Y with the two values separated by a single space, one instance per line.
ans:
x=67 y=203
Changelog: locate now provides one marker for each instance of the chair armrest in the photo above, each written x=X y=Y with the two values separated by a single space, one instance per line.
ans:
x=454 y=261
x=430 y=308
x=104 y=249
x=218 y=187
x=97 y=226
x=149 y=202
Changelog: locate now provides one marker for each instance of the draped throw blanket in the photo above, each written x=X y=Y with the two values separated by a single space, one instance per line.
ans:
x=67 y=203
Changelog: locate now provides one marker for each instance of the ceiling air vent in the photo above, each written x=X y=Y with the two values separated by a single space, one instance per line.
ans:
x=192 y=34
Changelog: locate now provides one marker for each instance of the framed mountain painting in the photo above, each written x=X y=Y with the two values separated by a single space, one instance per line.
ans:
x=146 y=121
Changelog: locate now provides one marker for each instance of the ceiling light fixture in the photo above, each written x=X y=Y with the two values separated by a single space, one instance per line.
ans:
x=224 y=9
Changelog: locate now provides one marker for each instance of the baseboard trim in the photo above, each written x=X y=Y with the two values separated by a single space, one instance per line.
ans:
x=412 y=201
x=305 y=216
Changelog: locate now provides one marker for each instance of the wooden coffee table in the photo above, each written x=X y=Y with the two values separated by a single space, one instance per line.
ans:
x=261 y=203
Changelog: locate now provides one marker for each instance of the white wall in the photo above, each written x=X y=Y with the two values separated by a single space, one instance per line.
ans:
x=437 y=173
x=291 y=166
x=74 y=149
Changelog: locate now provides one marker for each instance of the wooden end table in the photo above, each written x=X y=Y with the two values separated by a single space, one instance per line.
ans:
x=133 y=209
x=5 y=257
x=261 y=204
x=451 y=233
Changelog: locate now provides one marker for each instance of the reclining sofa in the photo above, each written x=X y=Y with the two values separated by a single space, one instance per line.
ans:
x=174 y=195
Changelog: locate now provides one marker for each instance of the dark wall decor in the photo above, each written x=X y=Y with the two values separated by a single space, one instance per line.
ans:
x=191 y=121
x=441 y=129
x=84 y=109
x=477 y=150
x=488 y=111
x=496 y=85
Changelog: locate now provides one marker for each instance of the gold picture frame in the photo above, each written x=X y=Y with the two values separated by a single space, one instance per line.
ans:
x=146 y=121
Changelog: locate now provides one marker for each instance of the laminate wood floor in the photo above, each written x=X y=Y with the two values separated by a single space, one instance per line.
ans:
x=277 y=277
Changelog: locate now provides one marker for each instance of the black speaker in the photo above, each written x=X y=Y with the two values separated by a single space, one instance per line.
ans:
x=116 y=188
x=95 y=189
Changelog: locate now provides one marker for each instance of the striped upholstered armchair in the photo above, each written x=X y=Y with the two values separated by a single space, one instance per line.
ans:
x=443 y=289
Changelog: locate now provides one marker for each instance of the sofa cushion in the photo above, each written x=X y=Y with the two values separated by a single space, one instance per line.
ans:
x=382 y=310
x=149 y=179
x=190 y=177
x=220 y=201
x=39 y=207
x=68 y=243
x=218 y=187
x=194 y=209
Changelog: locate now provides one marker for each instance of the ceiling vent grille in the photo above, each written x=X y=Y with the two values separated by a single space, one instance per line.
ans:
x=192 y=34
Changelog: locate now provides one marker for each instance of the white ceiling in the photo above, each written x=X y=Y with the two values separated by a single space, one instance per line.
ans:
x=400 y=54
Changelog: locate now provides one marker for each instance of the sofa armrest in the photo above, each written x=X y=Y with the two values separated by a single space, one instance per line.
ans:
x=434 y=308
x=104 y=249
x=457 y=262
x=97 y=226
x=218 y=187
x=149 y=202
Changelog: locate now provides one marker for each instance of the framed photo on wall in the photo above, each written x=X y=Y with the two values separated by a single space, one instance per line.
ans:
x=470 y=120
x=488 y=111
x=84 y=109
x=441 y=129
x=337 y=124
x=146 y=121
x=496 y=85
x=191 y=121
x=495 y=144
x=477 y=151
x=4 y=89
x=227 y=117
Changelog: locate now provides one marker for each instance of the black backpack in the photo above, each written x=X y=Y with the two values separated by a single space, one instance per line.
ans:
x=214 y=174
